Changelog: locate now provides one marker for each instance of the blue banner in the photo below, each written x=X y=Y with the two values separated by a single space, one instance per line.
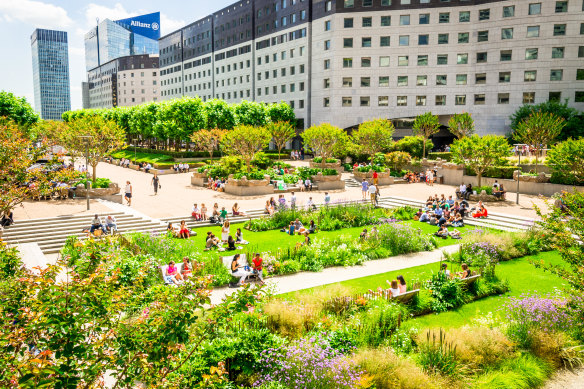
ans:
x=146 y=25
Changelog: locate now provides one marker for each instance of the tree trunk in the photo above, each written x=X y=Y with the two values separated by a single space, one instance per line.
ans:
x=536 y=158
x=424 y=149
x=479 y=176
x=279 y=152
x=94 y=166
x=323 y=161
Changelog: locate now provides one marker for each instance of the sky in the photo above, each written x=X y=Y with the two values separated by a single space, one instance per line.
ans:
x=19 y=18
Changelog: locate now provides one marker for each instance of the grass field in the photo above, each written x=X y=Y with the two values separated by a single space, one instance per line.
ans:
x=142 y=157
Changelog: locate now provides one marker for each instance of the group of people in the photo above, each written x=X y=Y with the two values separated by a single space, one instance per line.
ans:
x=242 y=271
x=124 y=162
x=297 y=155
x=182 y=232
x=371 y=190
x=181 y=167
x=174 y=276
x=464 y=273
x=216 y=184
x=217 y=215
x=212 y=241
x=104 y=225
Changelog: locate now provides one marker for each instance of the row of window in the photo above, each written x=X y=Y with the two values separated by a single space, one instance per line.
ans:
x=283 y=72
x=461 y=58
x=463 y=37
x=282 y=55
x=421 y=101
x=141 y=83
x=284 y=88
x=461 y=79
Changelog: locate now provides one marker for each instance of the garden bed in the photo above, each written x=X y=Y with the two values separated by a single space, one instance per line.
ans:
x=245 y=187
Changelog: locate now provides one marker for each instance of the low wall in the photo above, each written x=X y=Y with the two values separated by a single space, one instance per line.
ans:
x=245 y=187
x=199 y=179
x=111 y=194
x=328 y=182
x=530 y=188
x=383 y=178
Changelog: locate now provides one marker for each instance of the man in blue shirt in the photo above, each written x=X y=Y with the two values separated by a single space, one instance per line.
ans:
x=450 y=202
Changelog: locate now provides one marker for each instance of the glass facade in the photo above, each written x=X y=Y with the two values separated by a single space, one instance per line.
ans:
x=50 y=66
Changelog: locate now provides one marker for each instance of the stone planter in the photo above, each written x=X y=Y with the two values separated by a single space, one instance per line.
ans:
x=328 y=182
x=112 y=193
x=383 y=178
x=199 y=179
x=484 y=197
x=245 y=187
x=337 y=166
x=540 y=178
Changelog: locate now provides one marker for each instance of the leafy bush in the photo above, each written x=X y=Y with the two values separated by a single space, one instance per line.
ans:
x=524 y=372
x=261 y=160
x=397 y=160
x=328 y=160
x=348 y=167
x=443 y=155
x=566 y=162
x=482 y=255
x=413 y=145
x=98 y=183
x=495 y=172
x=447 y=293
x=308 y=173
x=437 y=355
x=368 y=168
x=486 y=188
x=10 y=263
x=379 y=320
x=253 y=175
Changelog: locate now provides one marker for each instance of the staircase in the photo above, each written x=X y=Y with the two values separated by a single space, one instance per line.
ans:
x=351 y=183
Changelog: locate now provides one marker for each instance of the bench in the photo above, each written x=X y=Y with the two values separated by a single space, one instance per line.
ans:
x=470 y=280
x=242 y=262
x=406 y=297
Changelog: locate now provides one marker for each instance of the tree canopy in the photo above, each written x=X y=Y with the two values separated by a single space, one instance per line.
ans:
x=480 y=153
x=281 y=132
x=326 y=141
x=574 y=127
x=461 y=125
x=208 y=140
x=17 y=109
x=245 y=141
x=373 y=137
x=425 y=126
x=539 y=130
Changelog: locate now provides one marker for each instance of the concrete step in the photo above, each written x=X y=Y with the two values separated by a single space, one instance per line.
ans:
x=61 y=218
x=64 y=222
x=63 y=226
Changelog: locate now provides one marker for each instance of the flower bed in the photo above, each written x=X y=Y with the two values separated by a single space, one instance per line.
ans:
x=328 y=165
x=245 y=187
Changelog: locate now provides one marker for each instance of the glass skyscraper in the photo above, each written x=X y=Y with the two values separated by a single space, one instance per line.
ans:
x=50 y=67
x=119 y=38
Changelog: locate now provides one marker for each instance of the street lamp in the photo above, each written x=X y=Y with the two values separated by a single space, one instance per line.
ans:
x=519 y=149
x=86 y=139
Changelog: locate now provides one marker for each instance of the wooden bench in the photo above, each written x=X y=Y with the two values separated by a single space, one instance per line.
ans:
x=470 y=280
x=163 y=269
x=406 y=297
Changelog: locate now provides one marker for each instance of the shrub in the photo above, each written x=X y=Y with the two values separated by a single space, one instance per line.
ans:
x=524 y=372
x=397 y=160
x=98 y=183
x=10 y=263
x=368 y=168
x=389 y=371
x=328 y=160
x=482 y=255
x=495 y=172
x=509 y=245
x=444 y=155
x=381 y=319
x=412 y=145
x=447 y=293
x=261 y=160
x=253 y=175
x=486 y=188
x=566 y=162
x=437 y=355
x=348 y=167
x=291 y=318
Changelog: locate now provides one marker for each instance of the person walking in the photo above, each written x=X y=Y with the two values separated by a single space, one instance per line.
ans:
x=128 y=195
x=364 y=189
x=156 y=183
x=372 y=193
x=375 y=177
x=293 y=201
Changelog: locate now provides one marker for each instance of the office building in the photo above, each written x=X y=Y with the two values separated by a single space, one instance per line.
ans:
x=50 y=69
x=119 y=38
x=348 y=61
x=123 y=82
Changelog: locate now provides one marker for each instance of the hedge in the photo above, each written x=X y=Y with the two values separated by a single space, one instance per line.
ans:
x=495 y=172
x=199 y=154
x=445 y=156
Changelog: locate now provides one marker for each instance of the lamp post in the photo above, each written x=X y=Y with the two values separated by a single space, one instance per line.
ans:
x=518 y=172
x=86 y=139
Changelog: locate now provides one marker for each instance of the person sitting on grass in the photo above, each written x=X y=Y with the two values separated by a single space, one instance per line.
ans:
x=312 y=227
x=239 y=237
x=458 y=221
x=211 y=242
x=172 y=276
x=455 y=234
x=444 y=270
x=481 y=212
x=425 y=217
x=171 y=229
x=394 y=288
x=306 y=239
x=291 y=228
x=239 y=271
x=183 y=231
x=187 y=268
x=465 y=273
x=363 y=234
x=298 y=227
x=257 y=267
x=442 y=232
x=231 y=244
x=402 y=284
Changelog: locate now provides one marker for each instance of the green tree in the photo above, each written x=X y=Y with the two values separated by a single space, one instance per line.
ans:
x=250 y=113
x=219 y=114
x=245 y=141
x=480 y=153
x=142 y=120
x=566 y=162
x=574 y=119
x=539 y=130
x=178 y=119
x=461 y=125
x=326 y=141
x=397 y=160
x=412 y=145
x=106 y=136
x=281 y=132
x=208 y=140
x=425 y=126
x=373 y=137
x=17 y=109
x=281 y=112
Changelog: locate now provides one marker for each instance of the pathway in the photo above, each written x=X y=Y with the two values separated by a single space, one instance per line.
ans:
x=305 y=280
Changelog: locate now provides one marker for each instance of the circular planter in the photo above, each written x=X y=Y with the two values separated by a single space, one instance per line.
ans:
x=328 y=182
x=245 y=187
x=336 y=166
x=199 y=179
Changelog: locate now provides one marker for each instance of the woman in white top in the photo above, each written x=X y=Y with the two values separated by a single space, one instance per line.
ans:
x=128 y=195
x=225 y=231
x=394 y=289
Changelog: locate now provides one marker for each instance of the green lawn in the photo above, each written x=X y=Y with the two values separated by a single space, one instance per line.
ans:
x=523 y=278
x=271 y=241
x=142 y=157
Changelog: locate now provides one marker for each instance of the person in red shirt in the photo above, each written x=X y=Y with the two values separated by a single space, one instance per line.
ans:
x=375 y=177
x=257 y=267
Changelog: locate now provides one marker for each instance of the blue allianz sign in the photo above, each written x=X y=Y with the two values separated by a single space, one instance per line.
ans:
x=146 y=25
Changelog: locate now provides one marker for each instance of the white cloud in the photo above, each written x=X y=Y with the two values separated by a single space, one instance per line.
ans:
x=37 y=13
x=168 y=25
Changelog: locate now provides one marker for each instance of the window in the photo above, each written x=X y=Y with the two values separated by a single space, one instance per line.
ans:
x=480 y=78
x=292 y=87
x=421 y=80
x=422 y=60
x=326 y=83
x=384 y=41
x=580 y=51
x=555 y=96
x=528 y=97
x=367 y=22
x=347 y=82
x=383 y=61
x=506 y=55
x=347 y=101
x=402 y=101
x=506 y=33
x=327 y=65
x=383 y=101
x=442 y=39
x=461 y=79
x=365 y=101
x=347 y=42
x=484 y=14
x=580 y=74
x=441 y=100
x=385 y=21
x=404 y=20
x=483 y=36
x=556 y=74
x=444 y=17
x=460 y=99
x=504 y=76
x=464 y=16
x=366 y=42
x=402 y=80
x=462 y=59
x=327 y=45
x=442 y=59
x=534 y=8
x=326 y=102
x=365 y=62
x=532 y=31
x=463 y=37
x=365 y=82
x=384 y=81
x=420 y=100
x=367 y=3
x=482 y=57
x=579 y=97
x=441 y=79
x=386 y=3
x=328 y=6
x=561 y=6
x=559 y=29
x=530 y=75
x=283 y=88
x=557 y=52
x=479 y=99
x=349 y=3
x=423 y=40
x=530 y=54
x=327 y=25
x=582 y=26
x=509 y=11
x=347 y=62
x=348 y=23
x=404 y=40
x=503 y=98
x=403 y=60
x=424 y=18
x=405 y=2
